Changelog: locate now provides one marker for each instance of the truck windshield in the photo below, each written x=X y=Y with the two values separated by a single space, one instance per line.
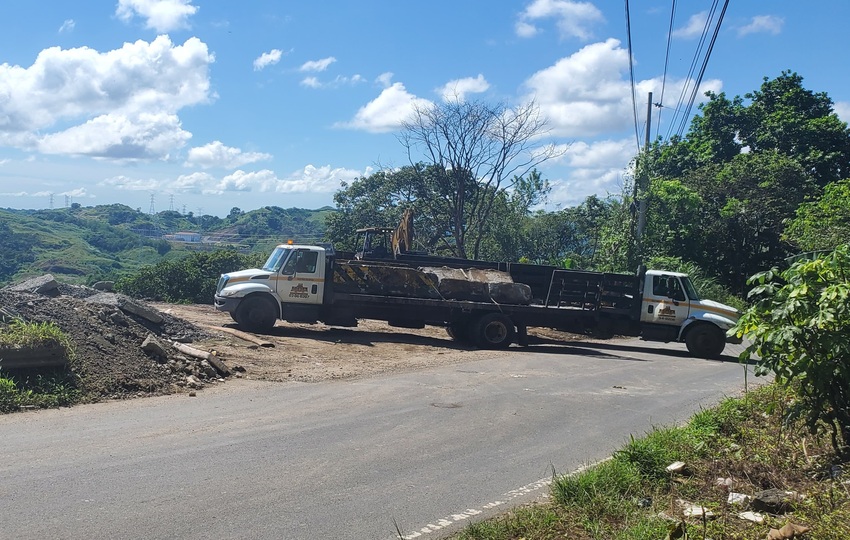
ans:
x=276 y=259
x=690 y=289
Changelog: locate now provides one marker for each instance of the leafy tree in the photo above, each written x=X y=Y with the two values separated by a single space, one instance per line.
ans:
x=378 y=200
x=799 y=326
x=789 y=119
x=751 y=164
x=673 y=220
x=474 y=150
x=824 y=223
x=191 y=279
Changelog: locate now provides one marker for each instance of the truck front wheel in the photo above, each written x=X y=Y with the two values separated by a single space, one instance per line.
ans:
x=494 y=331
x=256 y=314
x=705 y=341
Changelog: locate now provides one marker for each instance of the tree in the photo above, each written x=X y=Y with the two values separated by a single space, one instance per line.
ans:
x=824 y=223
x=799 y=328
x=474 y=150
x=751 y=165
x=787 y=118
x=377 y=200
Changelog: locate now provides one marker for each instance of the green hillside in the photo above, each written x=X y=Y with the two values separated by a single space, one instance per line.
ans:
x=85 y=244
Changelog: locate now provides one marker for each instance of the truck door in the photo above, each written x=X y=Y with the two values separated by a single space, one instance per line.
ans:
x=664 y=301
x=302 y=278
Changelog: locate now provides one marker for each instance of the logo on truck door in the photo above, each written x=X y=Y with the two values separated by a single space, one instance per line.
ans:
x=667 y=313
x=299 y=291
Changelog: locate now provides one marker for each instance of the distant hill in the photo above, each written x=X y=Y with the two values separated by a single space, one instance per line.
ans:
x=85 y=244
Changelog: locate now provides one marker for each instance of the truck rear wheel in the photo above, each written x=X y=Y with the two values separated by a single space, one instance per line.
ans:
x=494 y=331
x=705 y=341
x=256 y=314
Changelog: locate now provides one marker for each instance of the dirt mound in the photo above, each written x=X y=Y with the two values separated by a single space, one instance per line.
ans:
x=108 y=331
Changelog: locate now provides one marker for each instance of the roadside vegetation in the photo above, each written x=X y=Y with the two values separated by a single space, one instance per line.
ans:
x=36 y=388
x=792 y=436
x=743 y=446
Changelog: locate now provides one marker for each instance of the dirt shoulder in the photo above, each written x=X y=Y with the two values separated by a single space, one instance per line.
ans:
x=316 y=352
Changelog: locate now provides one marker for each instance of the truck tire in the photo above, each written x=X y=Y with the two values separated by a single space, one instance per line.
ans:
x=257 y=314
x=493 y=331
x=705 y=341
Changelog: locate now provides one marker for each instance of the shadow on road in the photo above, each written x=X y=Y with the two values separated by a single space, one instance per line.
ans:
x=616 y=349
x=615 y=345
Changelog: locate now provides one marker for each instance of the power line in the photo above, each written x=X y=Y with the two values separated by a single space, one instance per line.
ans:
x=702 y=68
x=632 y=74
x=666 y=64
x=691 y=70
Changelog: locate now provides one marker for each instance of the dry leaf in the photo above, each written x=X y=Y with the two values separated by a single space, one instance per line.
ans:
x=788 y=531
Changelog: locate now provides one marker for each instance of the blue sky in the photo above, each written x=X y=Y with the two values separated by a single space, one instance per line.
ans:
x=206 y=105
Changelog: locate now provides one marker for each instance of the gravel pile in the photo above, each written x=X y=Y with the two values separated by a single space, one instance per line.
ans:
x=122 y=346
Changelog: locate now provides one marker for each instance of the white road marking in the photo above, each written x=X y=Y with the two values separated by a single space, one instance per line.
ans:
x=506 y=498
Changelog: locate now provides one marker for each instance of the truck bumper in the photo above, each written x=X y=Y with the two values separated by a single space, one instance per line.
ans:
x=226 y=304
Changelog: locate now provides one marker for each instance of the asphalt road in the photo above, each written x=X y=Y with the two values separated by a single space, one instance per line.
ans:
x=424 y=452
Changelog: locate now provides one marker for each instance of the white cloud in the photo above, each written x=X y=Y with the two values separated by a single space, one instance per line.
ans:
x=132 y=184
x=842 y=109
x=79 y=192
x=762 y=24
x=67 y=26
x=317 y=65
x=132 y=94
x=592 y=168
x=385 y=79
x=196 y=182
x=457 y=89
x=387 y=111
x=339 y=80
x=313 y=179
x=309 y=179
x=216 y=154
x=694 y=27
x=119 y=137
x=588 y=93
x=267 y=59
x=159 y=15
x=311 y=82
x=573 y=18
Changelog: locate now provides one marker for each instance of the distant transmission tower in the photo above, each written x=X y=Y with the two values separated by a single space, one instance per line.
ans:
x=171 y=203
x=152 y=210
x=67 y=201
x=51 y=201
x=184 y=209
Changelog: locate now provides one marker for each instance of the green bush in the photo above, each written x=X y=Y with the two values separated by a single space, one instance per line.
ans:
x=191 y=279
x=799 y=329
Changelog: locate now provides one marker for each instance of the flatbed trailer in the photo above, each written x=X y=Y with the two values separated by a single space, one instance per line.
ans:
x=313 y=284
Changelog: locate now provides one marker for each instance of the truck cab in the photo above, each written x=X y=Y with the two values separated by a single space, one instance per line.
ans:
x=672 y=310
x=290 y=285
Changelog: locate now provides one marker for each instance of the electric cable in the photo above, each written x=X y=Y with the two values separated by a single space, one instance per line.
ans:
x=632 y=74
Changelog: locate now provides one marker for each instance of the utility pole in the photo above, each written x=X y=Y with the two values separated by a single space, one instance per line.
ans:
x=643 y=181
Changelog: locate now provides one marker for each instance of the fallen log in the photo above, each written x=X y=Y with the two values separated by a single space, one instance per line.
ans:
x=241 y=335
x=192 y=351
x=213 y=360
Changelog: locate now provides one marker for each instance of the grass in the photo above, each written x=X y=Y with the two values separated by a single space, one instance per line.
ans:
x=633 y=497
x=36 y=389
